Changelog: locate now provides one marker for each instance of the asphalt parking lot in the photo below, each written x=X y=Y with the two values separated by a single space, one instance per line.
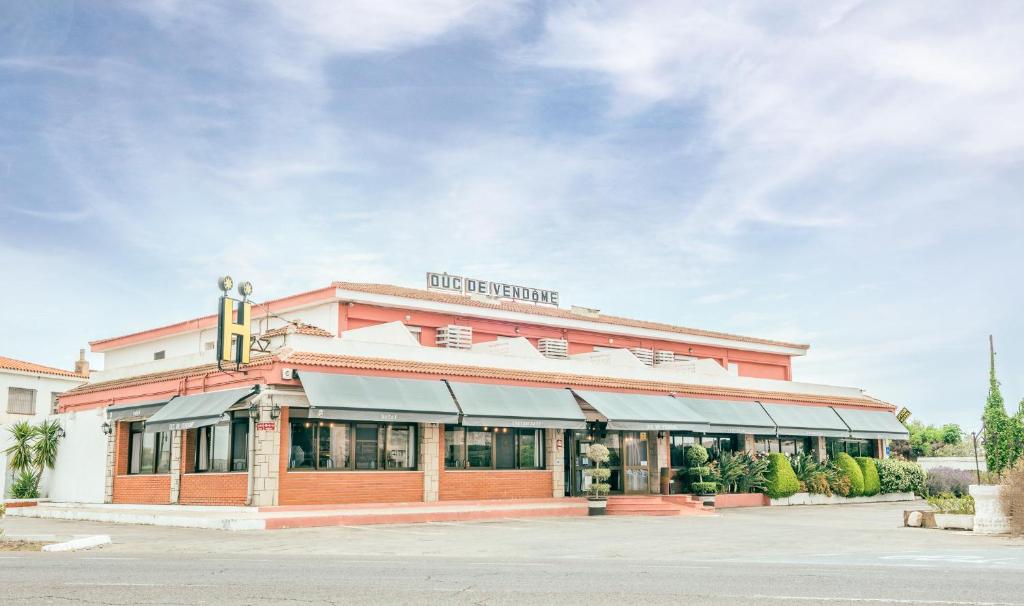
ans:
x=831 y=555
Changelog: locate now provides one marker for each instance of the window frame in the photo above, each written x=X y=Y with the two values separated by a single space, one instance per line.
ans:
x=316 y=426
x=11 y=391
x=238 y=419
x=161 y=442
x=517 y=432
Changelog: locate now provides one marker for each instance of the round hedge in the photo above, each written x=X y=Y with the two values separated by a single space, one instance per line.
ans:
x=781 y=480
x=851 y=470
x=872 y=485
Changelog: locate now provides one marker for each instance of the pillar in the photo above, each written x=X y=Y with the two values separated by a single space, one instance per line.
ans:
x=820 y=449
x=659 y=460
x=748 y=443
x=880 y=448
x=108 y=481
x=264 y=467
x=430 y=460
x=555 y=461
x=175 y=465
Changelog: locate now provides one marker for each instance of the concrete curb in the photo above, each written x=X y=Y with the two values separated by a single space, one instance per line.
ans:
x=79 y=544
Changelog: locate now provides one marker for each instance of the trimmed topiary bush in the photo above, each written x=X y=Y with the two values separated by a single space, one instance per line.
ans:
x=848 y=467
x=870 y=471
x=697 y=456
x=782 y=481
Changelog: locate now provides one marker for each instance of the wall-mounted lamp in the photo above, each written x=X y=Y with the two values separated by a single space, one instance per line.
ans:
x=61 y=433
x=275 y=412
x=106 y=428
x=254 y=411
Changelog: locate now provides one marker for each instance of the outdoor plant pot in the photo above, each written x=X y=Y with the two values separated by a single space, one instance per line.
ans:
x=596 y=506
x=708 y=500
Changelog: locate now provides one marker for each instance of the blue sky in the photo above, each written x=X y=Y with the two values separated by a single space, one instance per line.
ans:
x=846 y=174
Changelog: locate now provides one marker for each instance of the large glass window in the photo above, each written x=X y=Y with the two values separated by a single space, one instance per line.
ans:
x=493 y=448
x=339 y=445
x=148 y=452
x=715 y=444
x=851 y=446
x=454 y=447
x=223 y=447
x=678 y=444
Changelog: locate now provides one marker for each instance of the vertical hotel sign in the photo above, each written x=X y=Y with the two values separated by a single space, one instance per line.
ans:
x=499 y=290
x=233 y=330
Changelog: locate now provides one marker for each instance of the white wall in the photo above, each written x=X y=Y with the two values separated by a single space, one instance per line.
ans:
x=45 y=387
x=966 y=463
x=79 y=474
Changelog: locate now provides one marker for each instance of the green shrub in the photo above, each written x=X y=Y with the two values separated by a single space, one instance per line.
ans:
x=870 y=473
x=698 y=473
x=895 y=475
x=950 y=503
x=782 y=481
x=753 y=477
x=24 y=486
x=851 y=470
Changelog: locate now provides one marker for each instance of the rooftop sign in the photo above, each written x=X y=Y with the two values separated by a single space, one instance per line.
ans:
x=498 y=290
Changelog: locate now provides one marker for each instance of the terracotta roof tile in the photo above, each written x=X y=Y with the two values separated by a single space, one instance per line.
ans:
x=180 y=373
x=554 y=312
x=19 y=365
x=568 y=379
x=300 y=329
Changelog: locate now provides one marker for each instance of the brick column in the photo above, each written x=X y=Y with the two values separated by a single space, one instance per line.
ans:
x=176 y=467
x=108 y=482
x=748 y=443
x=266 y=455
x=880 y=448
x=820 y=449
x=555 y=459
x=429 y=460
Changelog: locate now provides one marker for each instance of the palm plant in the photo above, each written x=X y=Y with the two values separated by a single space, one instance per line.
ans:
x=730 y=469
x=805 y=468
x=44 y=449
x=754 y=478
x=20 y=454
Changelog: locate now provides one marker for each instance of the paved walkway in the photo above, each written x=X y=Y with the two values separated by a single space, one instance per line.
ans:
x=273 y=518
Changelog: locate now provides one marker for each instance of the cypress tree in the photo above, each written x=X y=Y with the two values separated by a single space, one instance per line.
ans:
x=999 y=438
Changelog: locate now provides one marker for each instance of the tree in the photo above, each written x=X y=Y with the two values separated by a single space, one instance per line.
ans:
x=19 y=453
x=33 y=450
x=1001 y=448
x=44 y=448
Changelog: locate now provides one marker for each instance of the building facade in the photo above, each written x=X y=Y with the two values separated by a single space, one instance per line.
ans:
x=368 y=393
x=29 y=392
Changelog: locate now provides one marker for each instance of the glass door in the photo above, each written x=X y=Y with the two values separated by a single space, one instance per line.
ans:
x=634 y=463
x=613 y=441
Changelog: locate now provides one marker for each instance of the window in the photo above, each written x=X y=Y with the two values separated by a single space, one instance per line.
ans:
x=148 y=452
x=21 y=401
x=793 y=446
x=715 y=444
x=338 y=445
x=493 y=448
x=678 y=443
x=852 y=447
x=54 y=402
x=223 y=447
x=160 y=355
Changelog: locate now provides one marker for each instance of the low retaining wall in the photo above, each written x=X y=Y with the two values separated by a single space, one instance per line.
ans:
x=963 y=463
x=804 y=498
x=725 y=501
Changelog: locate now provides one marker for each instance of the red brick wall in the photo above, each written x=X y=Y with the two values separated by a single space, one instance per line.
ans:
x=481 y=484
x=145 y=489
x=214 y=488
x=338 y=487
x=487 y=484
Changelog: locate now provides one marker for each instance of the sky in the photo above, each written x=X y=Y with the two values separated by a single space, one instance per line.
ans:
x=846 y=174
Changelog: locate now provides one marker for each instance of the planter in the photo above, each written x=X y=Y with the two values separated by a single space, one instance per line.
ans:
x=707 y=500
x=803 y=498
x=954 y=521
x=988 y=511
x=596 y=506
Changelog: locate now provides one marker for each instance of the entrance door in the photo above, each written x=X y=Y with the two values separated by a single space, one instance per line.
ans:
x=635 y=469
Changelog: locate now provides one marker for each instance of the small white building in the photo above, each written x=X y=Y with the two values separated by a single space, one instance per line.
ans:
x=28 y=392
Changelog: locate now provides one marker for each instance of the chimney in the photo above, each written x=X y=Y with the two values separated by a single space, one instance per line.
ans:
x=82 y=365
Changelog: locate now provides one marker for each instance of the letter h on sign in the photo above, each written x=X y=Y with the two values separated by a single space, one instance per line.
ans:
x=232 y=335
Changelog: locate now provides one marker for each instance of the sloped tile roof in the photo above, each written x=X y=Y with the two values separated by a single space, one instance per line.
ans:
x=568 y=379
x=554 y=312
x=22 y=366
x=299 y=329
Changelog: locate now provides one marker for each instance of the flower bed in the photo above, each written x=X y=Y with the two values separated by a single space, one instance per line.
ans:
x=804 y=498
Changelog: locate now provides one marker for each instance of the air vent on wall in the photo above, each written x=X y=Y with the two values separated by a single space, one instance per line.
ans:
x=553 y=348
x=644 y=355
x=664 y=357
x=455 y=337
